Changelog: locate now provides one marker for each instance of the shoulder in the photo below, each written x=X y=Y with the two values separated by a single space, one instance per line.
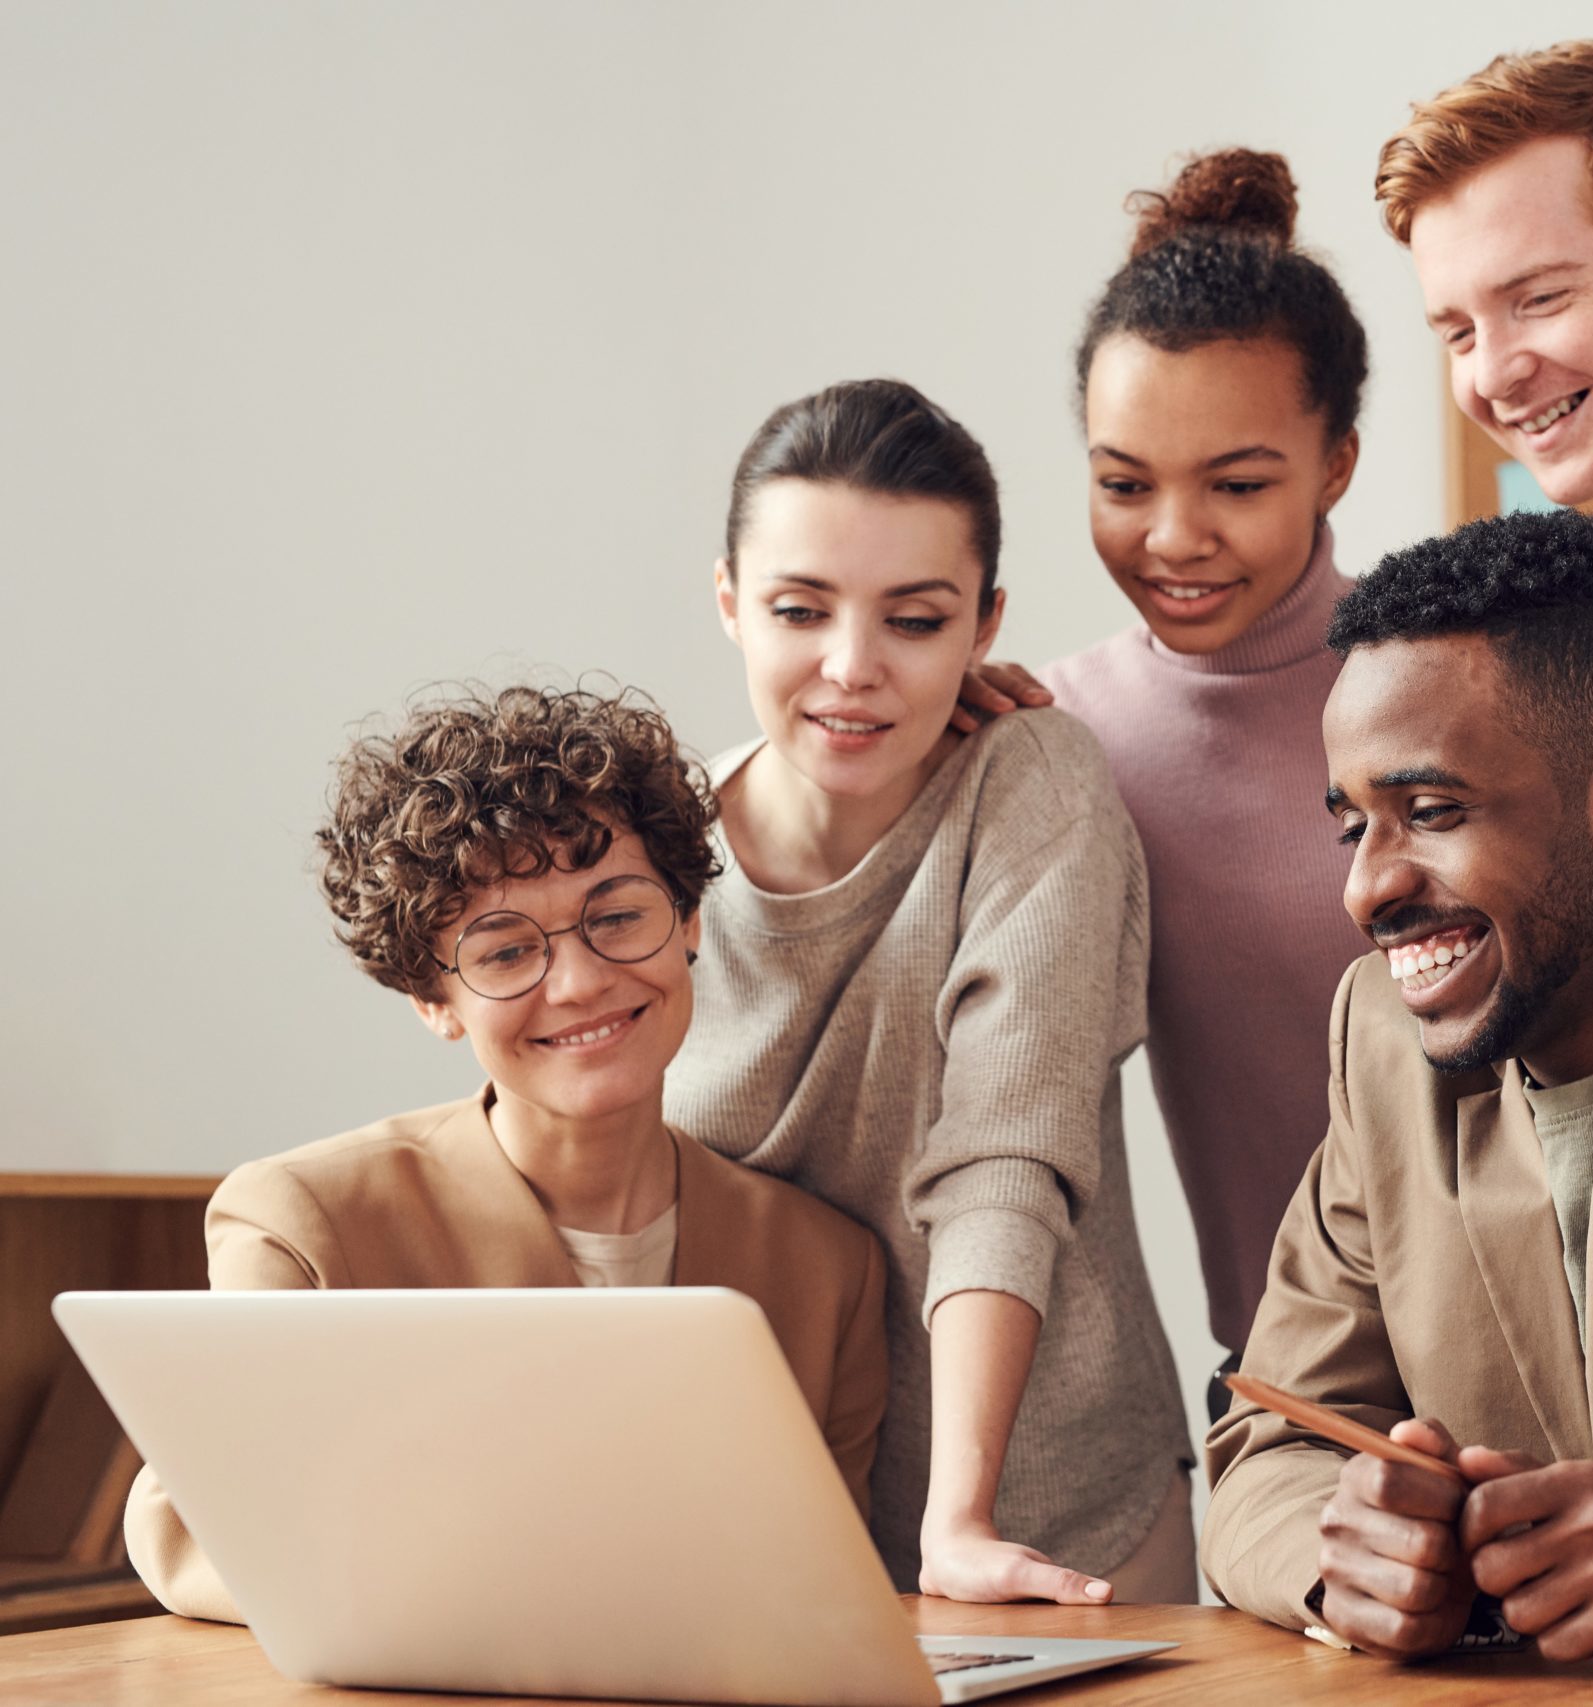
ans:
x=1092 y=683
x=362 y=1160
x=1047 y=759
x=770 y=1211
x=1037 y=782
x=724 y=765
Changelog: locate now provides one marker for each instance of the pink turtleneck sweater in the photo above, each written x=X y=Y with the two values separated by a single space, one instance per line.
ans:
x=1219 y=759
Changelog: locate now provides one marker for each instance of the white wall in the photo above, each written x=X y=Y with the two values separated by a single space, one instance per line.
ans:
x=348 y=346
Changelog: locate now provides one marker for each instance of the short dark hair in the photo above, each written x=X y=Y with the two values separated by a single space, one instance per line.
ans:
x=878 y=435
x=472 y=788
x=1213 y=258
x=1524 y=580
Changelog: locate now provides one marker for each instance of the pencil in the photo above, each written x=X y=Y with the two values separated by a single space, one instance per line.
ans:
x=1319 y=1419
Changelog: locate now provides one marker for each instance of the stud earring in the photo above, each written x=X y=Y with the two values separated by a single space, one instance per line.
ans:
x=691 y=957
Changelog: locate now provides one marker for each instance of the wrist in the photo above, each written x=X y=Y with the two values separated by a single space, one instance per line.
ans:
x=942 y=1526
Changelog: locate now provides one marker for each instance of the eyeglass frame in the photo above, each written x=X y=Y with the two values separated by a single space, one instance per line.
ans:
x=675 y=905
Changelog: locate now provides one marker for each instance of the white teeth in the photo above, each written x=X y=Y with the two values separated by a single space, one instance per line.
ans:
x=1414 y=962
x=584 y=1036
x=1549 y=416
x=844 y=726
x=1186 y=592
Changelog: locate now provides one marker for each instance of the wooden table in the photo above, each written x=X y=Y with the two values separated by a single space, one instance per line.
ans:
x=1225 y=1657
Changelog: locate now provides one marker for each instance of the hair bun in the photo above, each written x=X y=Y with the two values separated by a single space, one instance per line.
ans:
x=1234 y=187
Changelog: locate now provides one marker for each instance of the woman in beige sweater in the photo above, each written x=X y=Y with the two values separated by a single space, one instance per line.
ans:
x=919 y=976
x=528 y=870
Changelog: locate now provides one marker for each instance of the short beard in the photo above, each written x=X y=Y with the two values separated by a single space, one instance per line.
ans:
x=1555 y=946
x=1511 y=1020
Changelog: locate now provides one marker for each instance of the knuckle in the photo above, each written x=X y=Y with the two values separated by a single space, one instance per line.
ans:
x=1424 y=1592
x=1566 y=1642
x=1407 y=1633
x=1404 y=1589
x=1382 y=1483
x=1523 y=1615
x=1431 y=1548
x=1479 y=1505
x=1330 y=1561
x=1488 y=1571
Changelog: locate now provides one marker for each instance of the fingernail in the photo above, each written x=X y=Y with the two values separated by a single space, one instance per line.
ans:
x=1097 y=1590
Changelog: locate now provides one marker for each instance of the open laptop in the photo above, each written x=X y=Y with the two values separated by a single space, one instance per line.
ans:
x=594 y=1493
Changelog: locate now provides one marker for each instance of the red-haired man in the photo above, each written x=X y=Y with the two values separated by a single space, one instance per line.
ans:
x=1491 y=186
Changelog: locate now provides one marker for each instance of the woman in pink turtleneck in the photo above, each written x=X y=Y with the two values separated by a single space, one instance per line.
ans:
x=1220 y=373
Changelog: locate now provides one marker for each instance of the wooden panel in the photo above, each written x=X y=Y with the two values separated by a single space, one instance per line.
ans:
x=60 y=1470
x=59 y=1244
x=1471 y=470
x=89 y=1597
x=65 y=1466
x=1471 y=461
x=167 y=1187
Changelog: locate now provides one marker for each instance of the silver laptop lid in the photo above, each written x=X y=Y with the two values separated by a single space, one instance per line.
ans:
x=564 y=1492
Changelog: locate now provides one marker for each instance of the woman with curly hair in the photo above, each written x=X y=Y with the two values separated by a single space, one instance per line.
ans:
x=528 y=871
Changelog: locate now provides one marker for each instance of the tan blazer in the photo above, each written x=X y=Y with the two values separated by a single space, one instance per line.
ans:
x=1417 y=1272
x=430 y=1199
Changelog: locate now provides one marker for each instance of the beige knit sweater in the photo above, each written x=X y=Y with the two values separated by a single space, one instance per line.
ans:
x=932 y=1045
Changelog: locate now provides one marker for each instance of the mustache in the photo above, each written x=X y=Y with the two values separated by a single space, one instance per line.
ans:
x=1411 y=921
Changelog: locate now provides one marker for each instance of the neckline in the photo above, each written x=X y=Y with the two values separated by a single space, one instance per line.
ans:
x=659 y=1231
x=1291 y=632
x=901 y=845
x=1554 y=1105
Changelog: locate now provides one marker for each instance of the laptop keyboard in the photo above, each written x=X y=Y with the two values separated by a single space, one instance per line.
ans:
x=940 y=1663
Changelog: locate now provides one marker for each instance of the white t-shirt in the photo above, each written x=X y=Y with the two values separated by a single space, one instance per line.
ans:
x=646 y=1258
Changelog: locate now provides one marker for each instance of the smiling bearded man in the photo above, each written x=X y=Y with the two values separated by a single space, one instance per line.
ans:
x=1433 y=1262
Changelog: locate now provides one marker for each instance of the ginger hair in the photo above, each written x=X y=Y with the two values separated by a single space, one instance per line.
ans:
x=1515 y=99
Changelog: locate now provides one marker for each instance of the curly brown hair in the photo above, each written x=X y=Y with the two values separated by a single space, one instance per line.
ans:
x=475 y=788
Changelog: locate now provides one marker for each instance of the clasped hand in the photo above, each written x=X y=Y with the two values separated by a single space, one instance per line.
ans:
x=1404 y=1551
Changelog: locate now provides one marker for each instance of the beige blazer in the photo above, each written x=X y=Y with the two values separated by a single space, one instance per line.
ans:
x=1417 y=1272
x=430 y=1199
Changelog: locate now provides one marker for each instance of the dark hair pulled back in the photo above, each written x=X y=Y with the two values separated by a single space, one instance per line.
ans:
x=877 y=435
x=1213 y=258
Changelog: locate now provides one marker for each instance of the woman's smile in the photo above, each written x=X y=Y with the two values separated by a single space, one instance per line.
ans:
x=586 y=1037
x=848 y=731
x=1189 y=601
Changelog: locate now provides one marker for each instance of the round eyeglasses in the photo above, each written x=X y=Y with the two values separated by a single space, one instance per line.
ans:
x=504 y=955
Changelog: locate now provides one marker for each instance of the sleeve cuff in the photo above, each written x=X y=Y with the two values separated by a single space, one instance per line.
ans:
x=991 y=1250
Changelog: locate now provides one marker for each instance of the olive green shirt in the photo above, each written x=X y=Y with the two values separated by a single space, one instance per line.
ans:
x=1563 y=1116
